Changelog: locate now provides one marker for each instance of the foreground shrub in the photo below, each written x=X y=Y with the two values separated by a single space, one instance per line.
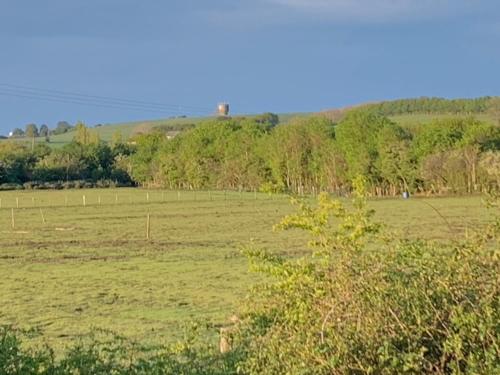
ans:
x=366 y=303
x=108 y=354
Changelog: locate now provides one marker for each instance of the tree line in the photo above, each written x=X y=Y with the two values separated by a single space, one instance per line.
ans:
x=433 y=105
x=32 y=130
x=314 y=154
x=311 y=154
x=85 y=162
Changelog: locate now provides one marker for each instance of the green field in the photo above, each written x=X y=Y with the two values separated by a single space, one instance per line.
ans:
x=128 y=129
x=92 y=266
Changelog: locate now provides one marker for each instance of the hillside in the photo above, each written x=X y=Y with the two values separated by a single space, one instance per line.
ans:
x=414 y=111
x=406 y=112
x=128 y=129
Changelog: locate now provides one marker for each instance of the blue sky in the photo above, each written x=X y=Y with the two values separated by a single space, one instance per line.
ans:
x=259 y=55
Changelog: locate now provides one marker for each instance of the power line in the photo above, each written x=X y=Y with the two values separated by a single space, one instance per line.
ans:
x=101 y=105
x=95 y=100
x=101 y=98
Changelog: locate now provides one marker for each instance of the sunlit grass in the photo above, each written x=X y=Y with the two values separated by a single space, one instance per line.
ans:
x=89 y=266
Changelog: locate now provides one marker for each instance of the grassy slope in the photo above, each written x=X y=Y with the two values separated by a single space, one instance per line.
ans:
x=92 y=267
x=129 y=128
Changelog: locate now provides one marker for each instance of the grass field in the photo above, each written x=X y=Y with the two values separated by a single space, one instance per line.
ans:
x=126 y=129
x=84 y=267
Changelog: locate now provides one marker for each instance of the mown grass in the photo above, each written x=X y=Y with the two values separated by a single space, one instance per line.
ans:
x=92 y=267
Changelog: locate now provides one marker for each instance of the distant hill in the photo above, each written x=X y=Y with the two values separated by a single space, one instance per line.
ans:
x=407 y=112
x=424 y=109
x=129 y=129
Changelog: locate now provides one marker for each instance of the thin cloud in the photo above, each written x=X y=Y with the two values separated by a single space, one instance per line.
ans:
x=373 y=10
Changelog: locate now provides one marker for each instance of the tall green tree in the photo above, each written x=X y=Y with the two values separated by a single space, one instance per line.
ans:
x=394 y=163
x=31 y=131
x=357 y=137
x=44 y=130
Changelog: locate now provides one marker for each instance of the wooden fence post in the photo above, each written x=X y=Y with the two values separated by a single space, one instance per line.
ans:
x=13 y=221
x=148 y=226
x=43 y=217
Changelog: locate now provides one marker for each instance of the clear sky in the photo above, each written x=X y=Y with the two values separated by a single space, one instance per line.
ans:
x=259 y=55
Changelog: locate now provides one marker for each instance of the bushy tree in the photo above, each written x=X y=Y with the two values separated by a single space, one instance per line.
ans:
x=16 y=162
x=394 y=165
x=17 y=133
x=365 y=302
x=62 y=127
x=144 y=163
x=31 y=131
x=44 y=130
x=299 y=155
x=84 y=135
x=357 y=137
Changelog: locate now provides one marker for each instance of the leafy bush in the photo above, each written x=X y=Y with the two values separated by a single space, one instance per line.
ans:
x=104 y=353
x=59 y=185
x=366 y=302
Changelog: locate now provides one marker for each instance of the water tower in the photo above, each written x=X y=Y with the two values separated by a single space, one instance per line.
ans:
x=223 y=109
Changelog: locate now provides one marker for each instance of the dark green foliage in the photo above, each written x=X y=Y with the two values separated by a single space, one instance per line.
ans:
x=92 y=162
x=62 y=127
x=307 y=155
x=17 y=133
x=44 y=131
x=172 y=128
x=313 y=154
x=268 y=119
x=432 y=106
x=16 y=163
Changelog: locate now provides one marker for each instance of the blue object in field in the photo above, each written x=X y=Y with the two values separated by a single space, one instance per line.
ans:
x=406 y=195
